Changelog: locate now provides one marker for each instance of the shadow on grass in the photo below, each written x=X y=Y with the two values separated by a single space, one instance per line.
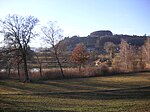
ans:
x=59 y=85
x=134 y=93
x=82 y=90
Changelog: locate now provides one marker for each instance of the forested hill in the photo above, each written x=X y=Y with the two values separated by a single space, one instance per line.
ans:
x=96 y=40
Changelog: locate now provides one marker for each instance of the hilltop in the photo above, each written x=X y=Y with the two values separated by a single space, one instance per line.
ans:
x=95 y=41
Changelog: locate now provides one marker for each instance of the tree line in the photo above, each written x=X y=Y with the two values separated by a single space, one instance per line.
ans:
x=131 y=57
x=18 y=32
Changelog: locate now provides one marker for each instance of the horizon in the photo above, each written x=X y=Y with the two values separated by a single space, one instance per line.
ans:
x=83 y=17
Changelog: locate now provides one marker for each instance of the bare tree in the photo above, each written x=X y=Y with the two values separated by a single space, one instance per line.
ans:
x=52 y=36
x=121 y=61
x=146 y=50
x=6 y=60
x=124 y=46
x=39 y=63
x=130 y=57
x=141 y=58
x=18 y=32
x=110 y=48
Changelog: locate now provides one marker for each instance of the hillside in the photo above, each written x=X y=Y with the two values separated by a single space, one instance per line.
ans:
x=95 y=41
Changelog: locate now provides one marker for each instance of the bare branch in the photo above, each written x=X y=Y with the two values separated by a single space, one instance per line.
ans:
x=18 y=32
x=52 y=37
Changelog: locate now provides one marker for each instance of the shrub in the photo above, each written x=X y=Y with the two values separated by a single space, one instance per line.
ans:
x=104 y=70
x=3 y=75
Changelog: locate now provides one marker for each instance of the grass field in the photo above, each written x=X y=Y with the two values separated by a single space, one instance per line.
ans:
x=122 y=93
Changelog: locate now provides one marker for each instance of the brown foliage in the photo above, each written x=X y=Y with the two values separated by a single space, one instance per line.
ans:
x=79 y=55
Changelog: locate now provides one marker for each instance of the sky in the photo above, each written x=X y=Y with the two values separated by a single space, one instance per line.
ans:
x=81 y=17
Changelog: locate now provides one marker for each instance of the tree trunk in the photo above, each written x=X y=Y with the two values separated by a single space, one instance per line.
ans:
x=58 y=61
x=60 y=66
x=26 y=69
x=9 y=72
x=61 y=69
x=18 y=67
x=80 y=67
x=41 y=69
x=40 y=65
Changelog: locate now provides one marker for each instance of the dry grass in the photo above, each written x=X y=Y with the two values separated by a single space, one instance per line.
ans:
x=71 y=73
x=55 y=73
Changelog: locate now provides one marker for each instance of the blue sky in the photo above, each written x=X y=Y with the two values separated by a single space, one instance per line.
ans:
x=81 y=17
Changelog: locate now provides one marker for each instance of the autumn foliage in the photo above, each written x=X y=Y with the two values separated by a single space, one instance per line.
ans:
x=79 y=55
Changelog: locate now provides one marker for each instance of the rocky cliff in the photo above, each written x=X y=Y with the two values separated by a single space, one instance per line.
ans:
x=95 y=41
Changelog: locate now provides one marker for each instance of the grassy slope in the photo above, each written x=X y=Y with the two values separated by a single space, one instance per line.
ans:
x=107 y=94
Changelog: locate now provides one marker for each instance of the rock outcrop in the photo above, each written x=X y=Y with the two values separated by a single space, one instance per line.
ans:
x=101 y=33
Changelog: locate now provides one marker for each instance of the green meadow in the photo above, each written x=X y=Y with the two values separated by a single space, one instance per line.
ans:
x=119 y=93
